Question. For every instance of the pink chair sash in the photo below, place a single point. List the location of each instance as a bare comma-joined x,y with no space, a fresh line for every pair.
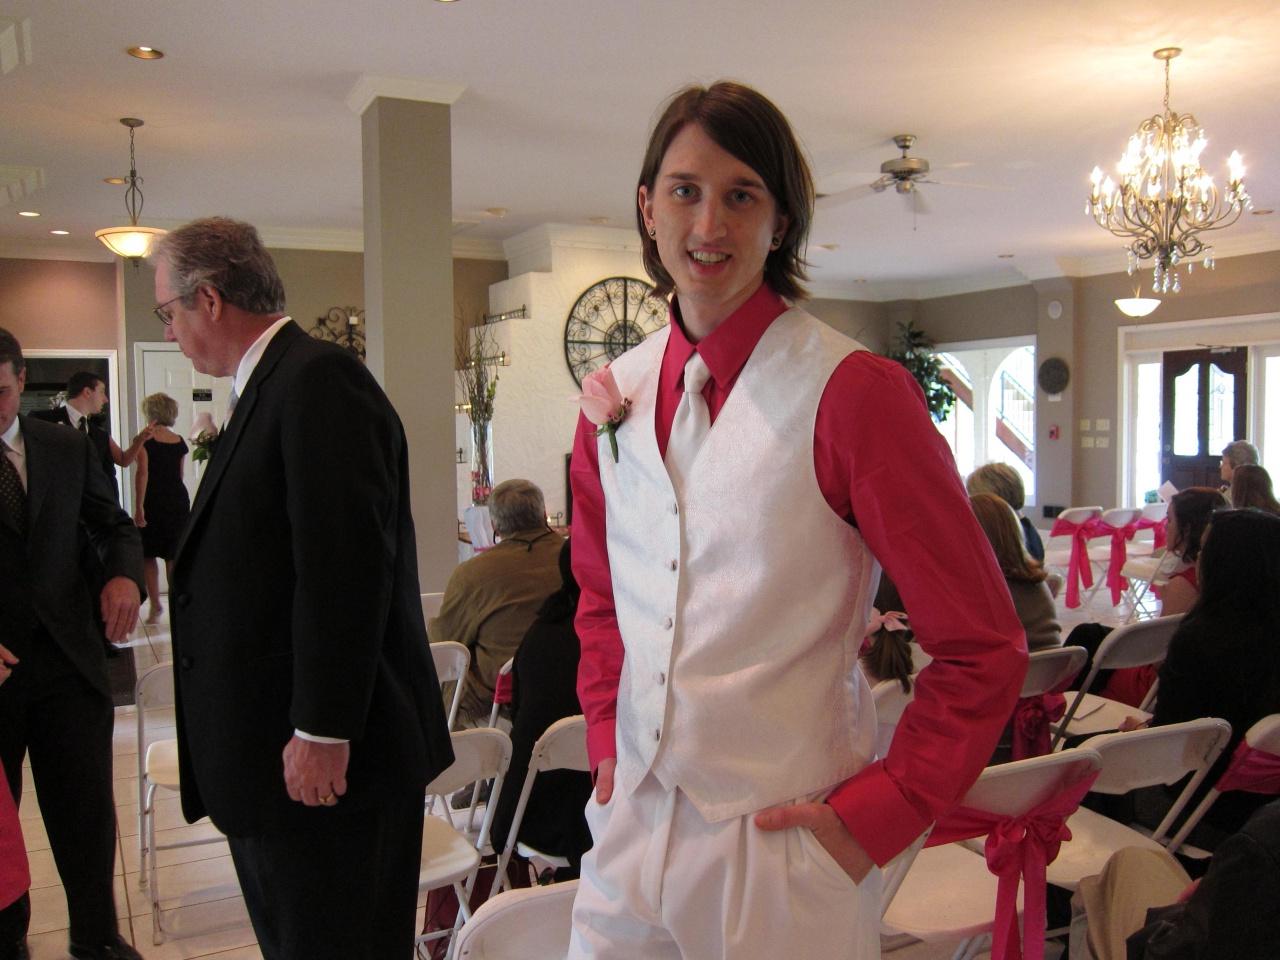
1078,570
1031,719
1159,527
1017,850
504,688
1253,770
1120,536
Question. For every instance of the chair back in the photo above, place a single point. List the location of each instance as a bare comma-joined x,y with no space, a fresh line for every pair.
504,689
1079,514
431,603
479,754
1121,516
1136,644
562,746
1155,511
1011,789
517,924
1264,736
1160,755
1049,669
452,660
152,691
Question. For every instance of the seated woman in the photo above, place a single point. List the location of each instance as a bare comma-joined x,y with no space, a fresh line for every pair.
1224,661
544,678
1251,487
886,651
1004,481
1024,575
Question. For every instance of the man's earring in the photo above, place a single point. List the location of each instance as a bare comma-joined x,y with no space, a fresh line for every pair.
777,242
653,232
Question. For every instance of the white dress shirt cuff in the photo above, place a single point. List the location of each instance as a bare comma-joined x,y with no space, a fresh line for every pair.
302,735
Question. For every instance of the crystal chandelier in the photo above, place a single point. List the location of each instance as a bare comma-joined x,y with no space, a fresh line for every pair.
132,242
1165,200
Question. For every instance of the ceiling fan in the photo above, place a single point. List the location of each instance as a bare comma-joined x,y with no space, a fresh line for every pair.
902,173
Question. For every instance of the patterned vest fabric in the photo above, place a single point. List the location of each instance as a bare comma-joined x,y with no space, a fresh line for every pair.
741,605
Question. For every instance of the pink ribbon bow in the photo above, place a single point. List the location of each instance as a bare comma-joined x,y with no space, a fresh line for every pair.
504,688
1120,536
889,620
1018,849
1251,769
1159,529
1078,570
1031,719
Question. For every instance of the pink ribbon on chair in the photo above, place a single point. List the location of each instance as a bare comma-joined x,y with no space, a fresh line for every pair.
1120,536
1159,529
1031,719
1018,849
504,688
1078,570
1251,769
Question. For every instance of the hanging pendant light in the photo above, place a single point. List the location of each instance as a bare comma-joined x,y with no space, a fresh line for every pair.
132,242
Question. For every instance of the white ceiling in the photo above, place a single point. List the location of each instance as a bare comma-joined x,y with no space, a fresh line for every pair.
247,115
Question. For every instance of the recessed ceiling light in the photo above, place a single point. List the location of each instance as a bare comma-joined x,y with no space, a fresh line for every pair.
28,213
114,181
1004,256
1262,213
146,53
60,233
598,221
493,211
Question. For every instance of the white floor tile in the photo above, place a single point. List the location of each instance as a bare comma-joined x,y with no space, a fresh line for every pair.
200,881
49,907
195,831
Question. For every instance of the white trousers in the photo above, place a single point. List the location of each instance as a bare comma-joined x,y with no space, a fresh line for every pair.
660,882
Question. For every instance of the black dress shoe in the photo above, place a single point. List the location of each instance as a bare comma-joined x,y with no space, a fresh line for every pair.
18,951
115,950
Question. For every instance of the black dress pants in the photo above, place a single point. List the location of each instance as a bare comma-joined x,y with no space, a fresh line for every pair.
341,891
50,711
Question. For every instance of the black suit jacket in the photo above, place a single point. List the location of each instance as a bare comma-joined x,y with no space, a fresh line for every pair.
41,580
100,438
295,598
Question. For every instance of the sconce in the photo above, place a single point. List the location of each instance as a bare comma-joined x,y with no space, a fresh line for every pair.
343,326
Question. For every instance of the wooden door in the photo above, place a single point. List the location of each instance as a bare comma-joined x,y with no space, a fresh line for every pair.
1203,404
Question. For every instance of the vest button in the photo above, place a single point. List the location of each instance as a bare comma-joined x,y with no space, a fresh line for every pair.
675,507
672,564
186,663
667,623
657,734
661,678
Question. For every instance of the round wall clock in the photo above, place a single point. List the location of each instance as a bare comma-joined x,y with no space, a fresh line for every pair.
610,318
1054,375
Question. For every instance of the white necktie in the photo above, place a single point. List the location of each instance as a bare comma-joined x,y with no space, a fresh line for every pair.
691,423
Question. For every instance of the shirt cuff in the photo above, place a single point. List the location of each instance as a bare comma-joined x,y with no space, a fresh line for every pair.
875,812
602,743
302,735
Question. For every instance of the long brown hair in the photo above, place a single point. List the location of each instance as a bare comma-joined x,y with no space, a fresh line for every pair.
1192,509
1000,524
1251,487
746,124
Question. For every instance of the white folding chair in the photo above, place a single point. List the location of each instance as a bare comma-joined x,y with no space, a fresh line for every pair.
1139,758
519,924
948,893
449,858
1100,547
1263,735
1048,669
1129,645
1143,543
452,660
890,701
562,746
1057,550
431,603
157,770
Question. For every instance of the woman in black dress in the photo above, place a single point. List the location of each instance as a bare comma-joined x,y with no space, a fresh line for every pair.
160,499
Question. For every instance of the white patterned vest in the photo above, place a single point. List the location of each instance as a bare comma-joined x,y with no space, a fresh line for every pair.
741,607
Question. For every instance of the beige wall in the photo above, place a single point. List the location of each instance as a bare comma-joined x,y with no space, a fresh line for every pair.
864,321
1007,312
59,304
471,282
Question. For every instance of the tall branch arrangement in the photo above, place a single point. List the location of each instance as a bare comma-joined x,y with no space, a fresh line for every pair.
473,351
914,350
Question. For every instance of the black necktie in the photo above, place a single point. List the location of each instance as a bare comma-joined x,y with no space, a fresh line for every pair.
13,496
84,425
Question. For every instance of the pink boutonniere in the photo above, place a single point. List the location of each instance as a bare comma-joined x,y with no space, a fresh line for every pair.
604,405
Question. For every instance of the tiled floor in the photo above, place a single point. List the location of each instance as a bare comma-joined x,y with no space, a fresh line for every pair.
204,914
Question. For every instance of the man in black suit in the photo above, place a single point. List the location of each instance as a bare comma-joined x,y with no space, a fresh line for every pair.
86,398
57,704
309,714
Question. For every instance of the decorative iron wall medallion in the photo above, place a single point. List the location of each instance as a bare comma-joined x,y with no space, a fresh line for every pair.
610,318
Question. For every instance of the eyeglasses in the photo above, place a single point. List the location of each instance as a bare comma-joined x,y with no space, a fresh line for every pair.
159,311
